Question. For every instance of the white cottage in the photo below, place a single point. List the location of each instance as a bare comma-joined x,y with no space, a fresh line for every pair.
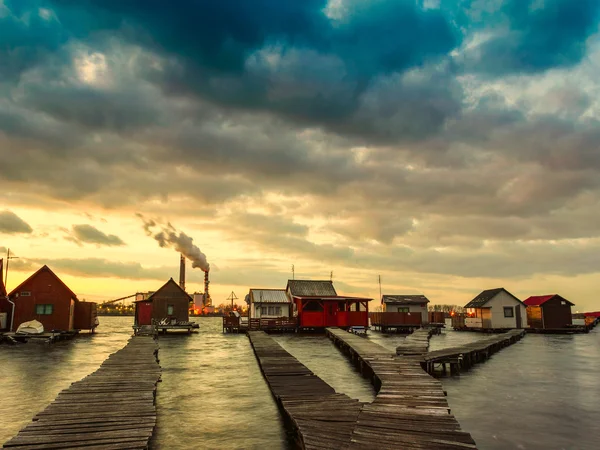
406,303
496,309
268,303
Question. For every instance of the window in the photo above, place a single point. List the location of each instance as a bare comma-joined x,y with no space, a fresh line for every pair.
509,311
403,309
170,309
562,302
44,310
25,293
264,311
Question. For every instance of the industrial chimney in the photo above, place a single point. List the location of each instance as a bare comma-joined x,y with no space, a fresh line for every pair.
182,272
207,301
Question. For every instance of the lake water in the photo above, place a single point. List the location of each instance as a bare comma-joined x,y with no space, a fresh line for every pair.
541,393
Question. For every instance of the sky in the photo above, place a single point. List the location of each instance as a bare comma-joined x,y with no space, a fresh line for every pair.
448,146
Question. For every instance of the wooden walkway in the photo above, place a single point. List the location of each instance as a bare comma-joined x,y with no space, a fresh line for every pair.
416,343
465,356
321,418
111,409
410,410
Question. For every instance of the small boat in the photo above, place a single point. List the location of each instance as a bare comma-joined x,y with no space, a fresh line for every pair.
31,327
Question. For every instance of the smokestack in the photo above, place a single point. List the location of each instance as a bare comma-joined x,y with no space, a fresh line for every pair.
182,272
207,301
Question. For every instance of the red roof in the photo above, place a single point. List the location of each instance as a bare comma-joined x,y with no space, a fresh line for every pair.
537,300
592,314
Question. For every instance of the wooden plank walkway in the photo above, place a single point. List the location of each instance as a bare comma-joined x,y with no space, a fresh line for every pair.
465,356
110,409
321,418
410,410
416,343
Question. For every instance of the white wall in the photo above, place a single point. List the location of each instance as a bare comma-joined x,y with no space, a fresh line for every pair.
256,314
497,305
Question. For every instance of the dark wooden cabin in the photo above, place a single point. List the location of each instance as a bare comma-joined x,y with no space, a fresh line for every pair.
317,305
46,298
170,302
548,312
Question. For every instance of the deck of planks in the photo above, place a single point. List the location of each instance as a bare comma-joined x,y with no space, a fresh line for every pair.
465,356
416,343
110,409
321,418
410,410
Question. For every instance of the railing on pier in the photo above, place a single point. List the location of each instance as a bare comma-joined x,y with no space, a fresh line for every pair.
278,323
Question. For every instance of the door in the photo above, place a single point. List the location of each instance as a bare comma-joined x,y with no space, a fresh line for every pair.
144,313
71,315
518,316
331,310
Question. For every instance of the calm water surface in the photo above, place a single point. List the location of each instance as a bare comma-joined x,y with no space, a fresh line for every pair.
541,393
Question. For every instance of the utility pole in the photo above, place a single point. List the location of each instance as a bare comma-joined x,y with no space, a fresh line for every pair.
232,297
331,276
381,299
8,258
293,273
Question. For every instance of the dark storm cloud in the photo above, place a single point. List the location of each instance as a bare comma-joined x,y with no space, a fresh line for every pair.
530,36
10,223
91,235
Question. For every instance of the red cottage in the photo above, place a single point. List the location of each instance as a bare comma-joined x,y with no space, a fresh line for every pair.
169,303
45,298
548,311
318,306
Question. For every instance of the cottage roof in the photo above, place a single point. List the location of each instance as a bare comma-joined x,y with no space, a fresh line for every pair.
169,283
310,288
269,296
539,300
44,268
404,299
486,296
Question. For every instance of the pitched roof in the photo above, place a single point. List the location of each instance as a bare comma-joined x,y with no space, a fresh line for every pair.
269,296
44,268
310,288
486,296
538,300
164,286
403,299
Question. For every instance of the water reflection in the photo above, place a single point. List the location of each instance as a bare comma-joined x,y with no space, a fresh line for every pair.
540,393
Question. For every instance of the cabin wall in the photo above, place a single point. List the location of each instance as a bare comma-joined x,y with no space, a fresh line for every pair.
180,308
5,308
45,290
534,317
85,315
497,305
557,315
257,313
412,308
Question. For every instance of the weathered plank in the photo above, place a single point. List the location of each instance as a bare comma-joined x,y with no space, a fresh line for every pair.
110,409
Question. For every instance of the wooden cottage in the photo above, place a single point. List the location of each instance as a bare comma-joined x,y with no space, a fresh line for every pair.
45,298
495,309
317,305
413,304
548,312
268,304
169,305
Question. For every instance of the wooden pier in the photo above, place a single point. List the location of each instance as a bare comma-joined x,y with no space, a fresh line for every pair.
321,418
417,343
49,337
465,356
110,409
410,410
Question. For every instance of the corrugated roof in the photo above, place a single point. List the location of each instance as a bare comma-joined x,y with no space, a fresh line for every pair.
403,299
310,288
486,296
269,296
538,300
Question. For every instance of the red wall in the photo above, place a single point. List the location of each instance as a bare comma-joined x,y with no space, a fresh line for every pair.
45,289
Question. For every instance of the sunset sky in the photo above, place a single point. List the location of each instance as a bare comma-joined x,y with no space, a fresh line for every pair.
448,146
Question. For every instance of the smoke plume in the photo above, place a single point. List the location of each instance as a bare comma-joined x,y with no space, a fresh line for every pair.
168,236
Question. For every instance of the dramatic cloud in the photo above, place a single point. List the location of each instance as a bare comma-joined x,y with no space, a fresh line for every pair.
426,138
88,234
10,223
